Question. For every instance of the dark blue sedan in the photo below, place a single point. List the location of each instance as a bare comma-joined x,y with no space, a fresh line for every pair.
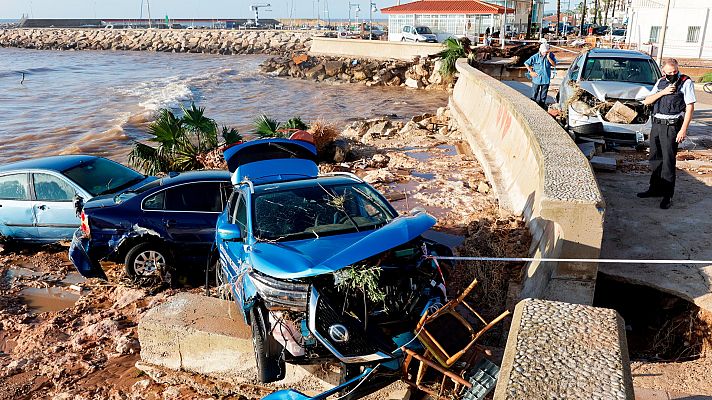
153,228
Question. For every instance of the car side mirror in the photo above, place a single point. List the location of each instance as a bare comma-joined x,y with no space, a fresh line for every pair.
230,233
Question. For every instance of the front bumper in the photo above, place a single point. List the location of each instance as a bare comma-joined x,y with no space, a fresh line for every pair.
79,256
596,125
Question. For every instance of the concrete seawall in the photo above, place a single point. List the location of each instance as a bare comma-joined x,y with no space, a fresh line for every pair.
538,172
165,40
373,49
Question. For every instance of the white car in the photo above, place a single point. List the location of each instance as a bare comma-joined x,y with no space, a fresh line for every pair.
596,81
618,35
418,34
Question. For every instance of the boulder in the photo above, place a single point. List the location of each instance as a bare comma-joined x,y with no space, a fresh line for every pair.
414,83
333,68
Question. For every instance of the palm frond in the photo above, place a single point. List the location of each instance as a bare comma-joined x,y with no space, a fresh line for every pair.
231,135
267,127
295,123
146,158
166,129
454,49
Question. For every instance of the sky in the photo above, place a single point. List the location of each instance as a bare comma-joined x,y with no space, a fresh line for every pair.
12,9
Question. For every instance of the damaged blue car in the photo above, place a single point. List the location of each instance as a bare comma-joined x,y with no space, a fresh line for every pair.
321,265
153,228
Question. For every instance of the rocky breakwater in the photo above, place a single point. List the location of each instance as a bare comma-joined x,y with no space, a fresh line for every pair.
165,40
421,73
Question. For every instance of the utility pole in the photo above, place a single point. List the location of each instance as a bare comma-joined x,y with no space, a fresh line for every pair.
558,16
529,20
662,39
148,4
502,30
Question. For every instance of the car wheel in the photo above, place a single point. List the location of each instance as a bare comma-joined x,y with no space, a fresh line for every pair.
402,38
268,352
147,260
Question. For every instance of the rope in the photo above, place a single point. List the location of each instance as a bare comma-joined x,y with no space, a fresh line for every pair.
580,260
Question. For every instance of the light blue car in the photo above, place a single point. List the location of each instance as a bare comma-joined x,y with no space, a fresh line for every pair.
39,197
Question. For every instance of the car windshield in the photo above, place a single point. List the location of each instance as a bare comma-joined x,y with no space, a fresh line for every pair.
319,210
101,176
620,69
619,32
423,30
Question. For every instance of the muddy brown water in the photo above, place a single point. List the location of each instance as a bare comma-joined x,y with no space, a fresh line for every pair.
54,297
100,102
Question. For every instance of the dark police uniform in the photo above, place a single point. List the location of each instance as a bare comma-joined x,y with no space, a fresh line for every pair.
668,115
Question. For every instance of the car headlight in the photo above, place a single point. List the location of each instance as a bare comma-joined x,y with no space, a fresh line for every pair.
281,294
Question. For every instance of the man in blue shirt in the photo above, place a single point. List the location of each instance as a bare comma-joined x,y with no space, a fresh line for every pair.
539,67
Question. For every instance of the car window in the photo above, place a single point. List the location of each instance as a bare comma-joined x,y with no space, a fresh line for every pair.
155,202
238,213
101,176
52,188
406,29
14,187
201,196
620,70
225,192
423,29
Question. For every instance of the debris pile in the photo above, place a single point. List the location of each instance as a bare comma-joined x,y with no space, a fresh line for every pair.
421,73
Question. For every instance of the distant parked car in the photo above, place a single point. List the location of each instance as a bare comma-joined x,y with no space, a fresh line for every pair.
599,78
418,34
618,35
37,197
154,227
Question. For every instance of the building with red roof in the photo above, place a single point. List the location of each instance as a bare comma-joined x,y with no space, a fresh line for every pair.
448,18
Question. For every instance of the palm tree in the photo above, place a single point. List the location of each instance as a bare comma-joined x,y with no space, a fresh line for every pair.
181,142
268,127
454,49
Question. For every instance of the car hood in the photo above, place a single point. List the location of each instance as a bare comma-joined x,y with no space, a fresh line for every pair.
616,90
107,200
310,257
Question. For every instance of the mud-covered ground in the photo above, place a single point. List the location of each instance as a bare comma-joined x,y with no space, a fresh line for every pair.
64,337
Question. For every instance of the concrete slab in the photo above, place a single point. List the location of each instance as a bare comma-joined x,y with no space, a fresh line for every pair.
588,149
603,163
207,335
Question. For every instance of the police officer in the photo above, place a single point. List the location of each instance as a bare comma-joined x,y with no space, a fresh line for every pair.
673,100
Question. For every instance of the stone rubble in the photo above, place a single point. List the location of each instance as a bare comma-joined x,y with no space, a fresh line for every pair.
421,73
164,40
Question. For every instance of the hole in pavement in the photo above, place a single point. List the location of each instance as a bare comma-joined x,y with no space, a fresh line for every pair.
659,326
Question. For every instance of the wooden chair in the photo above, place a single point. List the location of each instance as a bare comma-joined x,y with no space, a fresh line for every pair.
444,332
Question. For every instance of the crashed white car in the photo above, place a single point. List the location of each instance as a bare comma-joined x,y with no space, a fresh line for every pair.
601,94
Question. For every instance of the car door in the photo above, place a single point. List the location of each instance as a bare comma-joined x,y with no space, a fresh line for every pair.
567,85
406,32
233,252
189,216
55,216
17,215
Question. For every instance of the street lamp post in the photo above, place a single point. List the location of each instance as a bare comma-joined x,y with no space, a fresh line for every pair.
371,10
352,5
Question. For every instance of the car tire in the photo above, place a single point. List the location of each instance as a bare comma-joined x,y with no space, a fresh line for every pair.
268,352
595,128
147,260
402,38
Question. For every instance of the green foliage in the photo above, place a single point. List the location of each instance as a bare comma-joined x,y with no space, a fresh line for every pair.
706,77
454,49
266,127
180,141
363,279
231,135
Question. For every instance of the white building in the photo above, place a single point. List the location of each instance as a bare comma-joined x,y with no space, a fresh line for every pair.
458,17
689,28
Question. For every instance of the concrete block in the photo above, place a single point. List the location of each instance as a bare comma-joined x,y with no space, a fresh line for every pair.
196,333
588,149
603,163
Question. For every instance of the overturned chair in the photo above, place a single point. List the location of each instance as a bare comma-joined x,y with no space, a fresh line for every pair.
447,336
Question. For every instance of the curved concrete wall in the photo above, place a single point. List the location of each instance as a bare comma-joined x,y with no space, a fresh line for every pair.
538,172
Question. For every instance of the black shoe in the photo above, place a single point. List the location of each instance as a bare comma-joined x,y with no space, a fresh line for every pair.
649,193
666,203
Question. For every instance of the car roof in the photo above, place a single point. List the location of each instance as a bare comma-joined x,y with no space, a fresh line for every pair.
322,179
190,176
54,163
605,53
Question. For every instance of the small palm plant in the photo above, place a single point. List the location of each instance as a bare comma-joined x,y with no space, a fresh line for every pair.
182,143
266,127
454,49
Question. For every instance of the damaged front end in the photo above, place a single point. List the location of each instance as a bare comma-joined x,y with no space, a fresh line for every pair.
614,113
358,314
